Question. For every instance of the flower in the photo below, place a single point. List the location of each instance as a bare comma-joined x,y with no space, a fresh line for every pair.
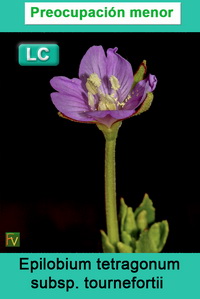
105,91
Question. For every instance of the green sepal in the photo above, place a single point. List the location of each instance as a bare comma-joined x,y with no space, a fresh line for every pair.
106,245
139,75
123,248
146,205
154,239
146,104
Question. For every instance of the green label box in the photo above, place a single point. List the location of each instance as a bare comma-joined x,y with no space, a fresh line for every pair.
38,54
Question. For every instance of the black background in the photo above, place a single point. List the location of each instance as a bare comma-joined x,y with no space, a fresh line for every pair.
52,188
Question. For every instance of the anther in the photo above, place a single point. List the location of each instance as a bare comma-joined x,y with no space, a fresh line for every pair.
93,83
106,103
91,100
114,83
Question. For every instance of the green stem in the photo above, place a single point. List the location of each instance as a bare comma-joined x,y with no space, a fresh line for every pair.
110,192
110,181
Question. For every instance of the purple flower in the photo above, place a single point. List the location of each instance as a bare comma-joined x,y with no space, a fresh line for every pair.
104,92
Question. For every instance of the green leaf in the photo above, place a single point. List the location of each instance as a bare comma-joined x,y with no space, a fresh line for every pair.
154,239
123,248
127,219
158,233
145,244
142,222
128,240
146,205
129,224
139,75
107,246
122,213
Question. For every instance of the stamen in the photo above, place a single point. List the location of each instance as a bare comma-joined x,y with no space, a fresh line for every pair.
93,83
114,83
106,103
121,104
91,102
127,98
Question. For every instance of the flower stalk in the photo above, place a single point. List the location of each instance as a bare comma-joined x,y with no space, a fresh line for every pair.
110,135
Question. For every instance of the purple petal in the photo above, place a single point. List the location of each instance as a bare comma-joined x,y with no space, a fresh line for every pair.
94,61
69,86
71,106
152,82
139,92
120,68
108,117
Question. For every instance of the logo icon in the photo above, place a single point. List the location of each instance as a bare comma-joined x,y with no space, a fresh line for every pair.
12,239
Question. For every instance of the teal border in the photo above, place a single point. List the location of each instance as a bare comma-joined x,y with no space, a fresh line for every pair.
12,20
182,283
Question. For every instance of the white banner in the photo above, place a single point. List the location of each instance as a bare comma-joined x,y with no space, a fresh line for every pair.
102,13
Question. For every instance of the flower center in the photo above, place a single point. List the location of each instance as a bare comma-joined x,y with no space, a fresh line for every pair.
98,100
